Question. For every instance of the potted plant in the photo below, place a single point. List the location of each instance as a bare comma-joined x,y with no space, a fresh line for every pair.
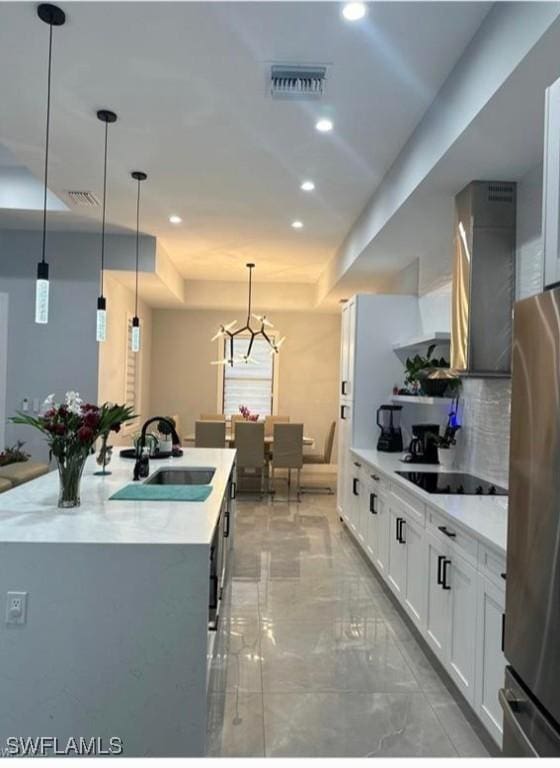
71,429
13,455
429,375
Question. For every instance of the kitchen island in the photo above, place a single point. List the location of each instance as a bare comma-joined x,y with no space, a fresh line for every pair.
116,634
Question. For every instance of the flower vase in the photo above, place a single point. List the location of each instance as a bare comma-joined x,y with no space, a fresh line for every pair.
70,470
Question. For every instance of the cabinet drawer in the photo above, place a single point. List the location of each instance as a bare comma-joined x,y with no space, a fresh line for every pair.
409,503
492,564
378,483
458,540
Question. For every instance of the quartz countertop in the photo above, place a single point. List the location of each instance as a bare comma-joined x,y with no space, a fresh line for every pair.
29,512
484,516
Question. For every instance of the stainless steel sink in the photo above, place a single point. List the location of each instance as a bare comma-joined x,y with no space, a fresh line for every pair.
182,476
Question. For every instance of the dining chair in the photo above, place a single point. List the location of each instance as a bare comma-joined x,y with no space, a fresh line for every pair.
212,417
249,444
270,421
210,434
321,458
287,451
237,417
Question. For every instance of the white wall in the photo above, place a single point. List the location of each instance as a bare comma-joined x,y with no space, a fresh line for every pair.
3,364
184,382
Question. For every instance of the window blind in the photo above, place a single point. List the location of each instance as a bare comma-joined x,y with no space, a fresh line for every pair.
249,384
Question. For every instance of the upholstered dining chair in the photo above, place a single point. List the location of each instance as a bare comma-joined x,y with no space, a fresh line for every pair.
249,444
270,421
287,451
321,458
210,434
235,419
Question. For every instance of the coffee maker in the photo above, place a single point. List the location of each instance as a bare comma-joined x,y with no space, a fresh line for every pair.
423,448
389,422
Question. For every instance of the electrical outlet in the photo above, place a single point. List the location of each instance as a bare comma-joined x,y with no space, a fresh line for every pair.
16,607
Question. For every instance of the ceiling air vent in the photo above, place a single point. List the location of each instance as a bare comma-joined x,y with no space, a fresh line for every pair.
297,82
501,193
83,199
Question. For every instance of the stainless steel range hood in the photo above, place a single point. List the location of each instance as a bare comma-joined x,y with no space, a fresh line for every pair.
483,279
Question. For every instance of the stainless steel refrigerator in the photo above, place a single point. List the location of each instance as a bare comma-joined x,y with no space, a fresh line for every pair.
530,698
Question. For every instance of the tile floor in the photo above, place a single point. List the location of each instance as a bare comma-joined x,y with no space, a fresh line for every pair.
312,658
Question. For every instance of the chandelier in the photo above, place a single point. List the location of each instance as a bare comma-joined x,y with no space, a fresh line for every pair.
229,332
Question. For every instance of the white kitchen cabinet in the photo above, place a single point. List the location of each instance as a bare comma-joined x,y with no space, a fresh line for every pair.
396,569
377,536
462,580
357,501
415,594
344,459
347,347
490,660
437,607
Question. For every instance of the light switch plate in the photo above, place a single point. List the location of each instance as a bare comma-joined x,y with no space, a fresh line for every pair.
16,607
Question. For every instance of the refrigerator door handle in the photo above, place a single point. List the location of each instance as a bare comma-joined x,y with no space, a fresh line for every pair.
510,704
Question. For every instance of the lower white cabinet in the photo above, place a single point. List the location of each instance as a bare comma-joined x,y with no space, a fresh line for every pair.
490,660
344,460
452,595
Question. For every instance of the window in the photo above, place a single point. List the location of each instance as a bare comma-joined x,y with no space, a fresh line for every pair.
249,384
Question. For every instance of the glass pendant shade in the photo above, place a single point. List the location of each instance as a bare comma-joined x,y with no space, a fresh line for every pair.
101,321
135,338
42,294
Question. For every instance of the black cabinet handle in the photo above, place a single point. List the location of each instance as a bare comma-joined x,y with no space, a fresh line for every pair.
355,486
503,631
440,560
503,575
444,583
375,477
444,529
400,523
398,527
343,412
343,384
372,498
233,491
403,523
357,464
226,525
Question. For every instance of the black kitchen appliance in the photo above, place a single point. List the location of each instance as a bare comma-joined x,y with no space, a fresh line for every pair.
453,483
389,422
423,448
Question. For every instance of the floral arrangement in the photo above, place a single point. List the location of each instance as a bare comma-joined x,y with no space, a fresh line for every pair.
71,429
247,415
13,455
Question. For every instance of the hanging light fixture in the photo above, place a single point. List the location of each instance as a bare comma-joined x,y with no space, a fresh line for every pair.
54,17
135,341
106,116
229,332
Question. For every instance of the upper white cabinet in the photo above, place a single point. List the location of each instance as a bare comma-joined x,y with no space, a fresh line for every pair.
347,347
551,185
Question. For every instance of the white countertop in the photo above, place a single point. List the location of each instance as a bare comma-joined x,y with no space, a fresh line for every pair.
29,512
485,516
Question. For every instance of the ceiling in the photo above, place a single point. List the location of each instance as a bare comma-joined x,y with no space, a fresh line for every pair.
188,81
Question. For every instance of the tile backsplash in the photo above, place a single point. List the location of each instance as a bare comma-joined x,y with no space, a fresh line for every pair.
483,441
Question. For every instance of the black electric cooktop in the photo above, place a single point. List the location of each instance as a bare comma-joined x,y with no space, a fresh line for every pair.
454,483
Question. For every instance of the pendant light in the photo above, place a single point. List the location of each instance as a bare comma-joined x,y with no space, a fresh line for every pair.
228,331
106,116
135,341
54,17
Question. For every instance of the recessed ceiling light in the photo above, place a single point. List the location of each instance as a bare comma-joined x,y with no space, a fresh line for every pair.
354,11
323,125
297,224
174,219
307,186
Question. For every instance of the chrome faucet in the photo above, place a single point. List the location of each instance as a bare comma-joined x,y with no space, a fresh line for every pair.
142,464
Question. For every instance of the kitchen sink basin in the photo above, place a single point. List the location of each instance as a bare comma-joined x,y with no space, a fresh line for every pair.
182,476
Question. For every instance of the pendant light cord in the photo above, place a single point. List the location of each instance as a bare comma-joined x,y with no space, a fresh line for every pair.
137,247
104,208
47,146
